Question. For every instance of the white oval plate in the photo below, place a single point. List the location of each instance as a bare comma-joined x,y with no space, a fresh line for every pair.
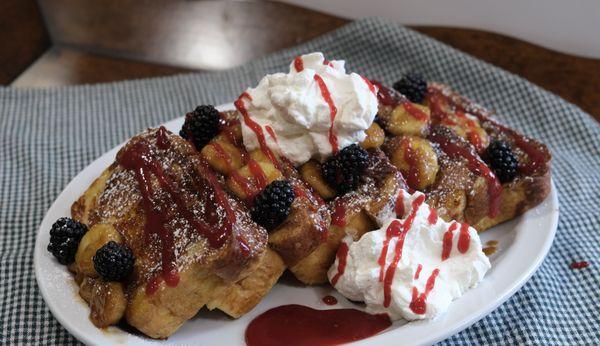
522,245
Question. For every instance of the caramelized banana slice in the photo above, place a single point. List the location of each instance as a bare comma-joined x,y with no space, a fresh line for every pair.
253,177
94,239
469,128
415,158
409,119
375,137
106,299
311,174
222,156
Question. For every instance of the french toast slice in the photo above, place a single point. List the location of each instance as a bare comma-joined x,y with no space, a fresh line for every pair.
309,237
440,147
248,173
192,240
353,213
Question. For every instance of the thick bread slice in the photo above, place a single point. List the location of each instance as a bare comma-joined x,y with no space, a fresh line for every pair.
459,191
204,270
237,299
362,208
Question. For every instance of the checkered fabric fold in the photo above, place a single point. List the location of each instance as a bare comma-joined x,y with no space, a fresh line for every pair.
49,135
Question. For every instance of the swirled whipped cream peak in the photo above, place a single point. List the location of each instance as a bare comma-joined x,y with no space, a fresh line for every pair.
312,111
412,267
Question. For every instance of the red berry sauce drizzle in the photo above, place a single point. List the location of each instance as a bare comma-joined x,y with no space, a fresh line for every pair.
256,128
339,214
412,175
342,257
241,181
326,94
297,325
438,104
418,303
433,216
283,165
475,165
329,300
579,265
418,271
415,112
395,229
386,96
536,156
472,135
332,112
447,242
300,325
399,204
139,159
338,218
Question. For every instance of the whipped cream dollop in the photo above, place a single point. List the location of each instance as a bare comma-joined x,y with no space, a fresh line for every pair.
412,267
311,112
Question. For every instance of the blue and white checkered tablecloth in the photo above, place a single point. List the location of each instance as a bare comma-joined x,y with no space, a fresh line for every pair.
49,135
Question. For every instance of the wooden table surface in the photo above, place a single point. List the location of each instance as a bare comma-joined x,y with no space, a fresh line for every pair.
66,42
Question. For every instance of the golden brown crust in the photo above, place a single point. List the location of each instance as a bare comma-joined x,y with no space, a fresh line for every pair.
239,298
300,233
115,199
459,192
361,208
312,270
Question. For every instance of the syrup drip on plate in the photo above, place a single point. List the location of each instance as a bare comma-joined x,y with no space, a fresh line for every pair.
329,300
490,247
579,265
297,325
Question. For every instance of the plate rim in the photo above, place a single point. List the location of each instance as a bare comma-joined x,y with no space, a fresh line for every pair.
383,338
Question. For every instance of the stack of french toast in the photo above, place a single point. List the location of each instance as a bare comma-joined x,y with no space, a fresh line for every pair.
211,224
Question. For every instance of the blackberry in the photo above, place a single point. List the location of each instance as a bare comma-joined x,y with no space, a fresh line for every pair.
344,170
413,86
201,125
65,235
113,261
273,204
502,160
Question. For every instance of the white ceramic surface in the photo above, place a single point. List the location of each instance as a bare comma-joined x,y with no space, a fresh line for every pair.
523,244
